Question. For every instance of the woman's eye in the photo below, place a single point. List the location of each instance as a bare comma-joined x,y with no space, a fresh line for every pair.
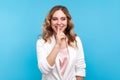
63,18
54,19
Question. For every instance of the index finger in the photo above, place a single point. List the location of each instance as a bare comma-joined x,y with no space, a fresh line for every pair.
58,30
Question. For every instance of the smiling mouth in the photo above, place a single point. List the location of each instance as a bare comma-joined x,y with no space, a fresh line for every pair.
59,27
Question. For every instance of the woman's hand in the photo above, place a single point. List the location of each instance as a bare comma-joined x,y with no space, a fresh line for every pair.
60,38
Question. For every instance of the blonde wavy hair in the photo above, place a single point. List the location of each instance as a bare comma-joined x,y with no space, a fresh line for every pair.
48,31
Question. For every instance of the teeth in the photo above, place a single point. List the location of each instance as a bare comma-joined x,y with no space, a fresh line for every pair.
59,26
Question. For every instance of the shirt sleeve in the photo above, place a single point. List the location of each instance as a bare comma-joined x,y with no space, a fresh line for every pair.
42,52
80,62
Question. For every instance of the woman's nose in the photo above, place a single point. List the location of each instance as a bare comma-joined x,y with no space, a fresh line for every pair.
58,22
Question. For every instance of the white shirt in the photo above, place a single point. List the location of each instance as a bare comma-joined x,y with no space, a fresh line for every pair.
76,66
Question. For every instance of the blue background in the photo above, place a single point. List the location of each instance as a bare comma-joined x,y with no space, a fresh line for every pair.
97,22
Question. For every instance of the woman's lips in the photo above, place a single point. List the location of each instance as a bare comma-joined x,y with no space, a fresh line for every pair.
59,27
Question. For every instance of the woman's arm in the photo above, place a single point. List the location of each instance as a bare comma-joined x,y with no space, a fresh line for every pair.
45,62
80,61
52,56
79,78
60,39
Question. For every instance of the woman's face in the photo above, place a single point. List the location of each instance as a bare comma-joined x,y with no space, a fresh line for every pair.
59,21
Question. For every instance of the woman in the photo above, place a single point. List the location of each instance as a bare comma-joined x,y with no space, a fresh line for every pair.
59,51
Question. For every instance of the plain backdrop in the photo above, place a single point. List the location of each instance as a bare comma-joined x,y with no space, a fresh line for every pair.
97,22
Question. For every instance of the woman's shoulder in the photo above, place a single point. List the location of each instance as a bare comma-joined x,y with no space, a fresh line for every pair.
40,41
79,42
78,38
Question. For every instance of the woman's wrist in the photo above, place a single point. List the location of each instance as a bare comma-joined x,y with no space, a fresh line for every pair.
57,45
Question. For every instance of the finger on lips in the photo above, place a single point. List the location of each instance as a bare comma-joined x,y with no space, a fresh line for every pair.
60,33
57,30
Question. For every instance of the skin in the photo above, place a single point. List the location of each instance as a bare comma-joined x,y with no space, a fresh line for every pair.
59,24
59,21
